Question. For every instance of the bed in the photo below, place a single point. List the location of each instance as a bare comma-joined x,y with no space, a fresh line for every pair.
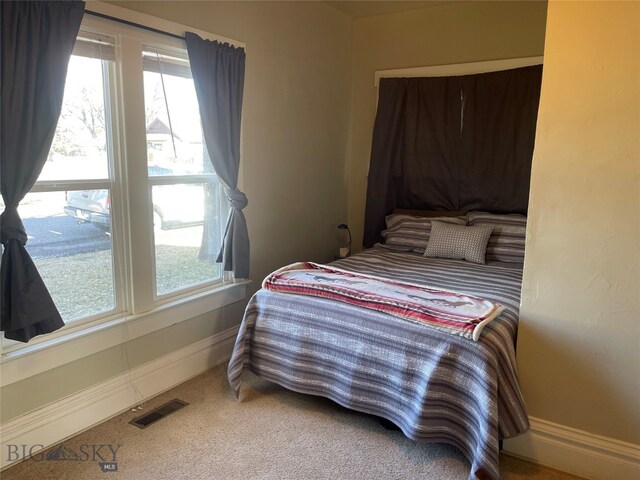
436,387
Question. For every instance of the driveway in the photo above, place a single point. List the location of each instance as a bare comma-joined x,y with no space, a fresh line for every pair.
60,235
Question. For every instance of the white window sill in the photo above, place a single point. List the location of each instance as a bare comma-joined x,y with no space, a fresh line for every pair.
34,359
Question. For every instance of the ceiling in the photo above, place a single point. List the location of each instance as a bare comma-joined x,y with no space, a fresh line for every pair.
360,9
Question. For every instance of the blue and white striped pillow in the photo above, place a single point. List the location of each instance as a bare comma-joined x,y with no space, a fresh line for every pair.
507,240
412,233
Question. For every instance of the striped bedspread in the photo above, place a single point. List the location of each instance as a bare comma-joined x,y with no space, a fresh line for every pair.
435,386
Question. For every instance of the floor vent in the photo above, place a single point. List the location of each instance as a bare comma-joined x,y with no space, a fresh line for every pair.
143,421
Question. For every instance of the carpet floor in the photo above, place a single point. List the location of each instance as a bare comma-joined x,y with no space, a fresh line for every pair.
271,433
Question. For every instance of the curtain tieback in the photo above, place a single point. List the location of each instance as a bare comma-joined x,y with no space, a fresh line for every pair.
236,198
11,226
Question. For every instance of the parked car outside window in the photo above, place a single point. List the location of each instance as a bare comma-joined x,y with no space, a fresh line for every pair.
174,206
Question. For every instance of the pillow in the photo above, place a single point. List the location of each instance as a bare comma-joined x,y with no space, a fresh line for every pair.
458,242
412,233
507,240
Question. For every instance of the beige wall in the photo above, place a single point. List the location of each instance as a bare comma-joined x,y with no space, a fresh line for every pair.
295,128
457,33
579,344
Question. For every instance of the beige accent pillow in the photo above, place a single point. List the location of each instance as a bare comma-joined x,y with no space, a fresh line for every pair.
458,242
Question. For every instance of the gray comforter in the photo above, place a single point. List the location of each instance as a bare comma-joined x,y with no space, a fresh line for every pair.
435,386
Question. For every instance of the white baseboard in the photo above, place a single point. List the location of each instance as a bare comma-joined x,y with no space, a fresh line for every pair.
576,451
71,415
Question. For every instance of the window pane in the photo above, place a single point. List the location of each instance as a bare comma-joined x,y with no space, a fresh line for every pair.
187,217
79,149
185,256
70,243
174,132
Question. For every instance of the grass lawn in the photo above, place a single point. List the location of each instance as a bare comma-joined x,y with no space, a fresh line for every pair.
82,285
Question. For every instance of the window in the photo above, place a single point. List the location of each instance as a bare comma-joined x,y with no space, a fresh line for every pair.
185,192
127,215
67,213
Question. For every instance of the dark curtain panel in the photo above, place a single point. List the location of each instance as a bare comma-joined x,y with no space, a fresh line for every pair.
37,41
218,75
452,143
386,151
500,115
428,170
414,155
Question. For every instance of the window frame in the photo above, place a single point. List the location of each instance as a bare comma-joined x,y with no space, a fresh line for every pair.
109,184
138,311
171,55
